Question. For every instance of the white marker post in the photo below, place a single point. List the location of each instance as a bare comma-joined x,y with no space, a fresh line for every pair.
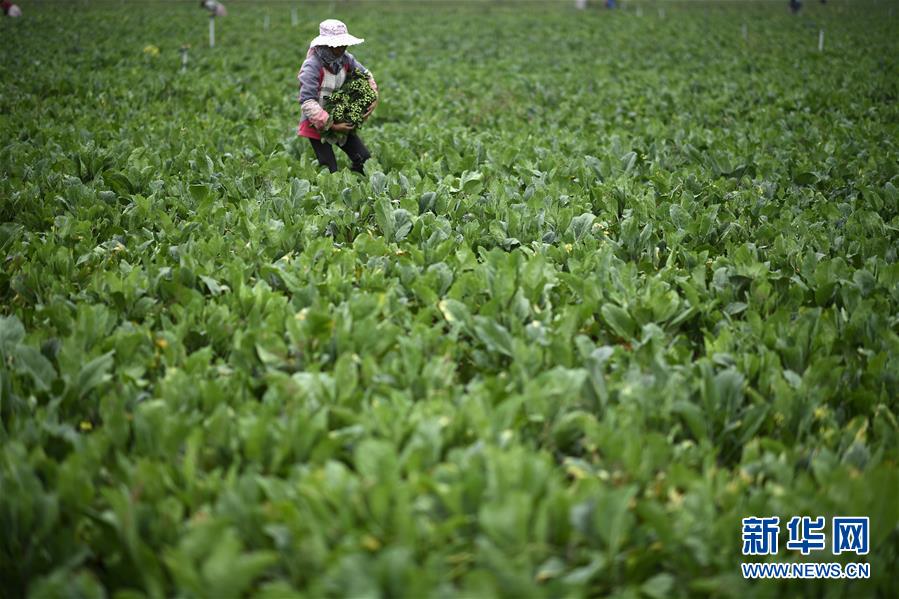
821,40
639,12
294,19
212,31
183,59
661,13
580,4
265,22
745,32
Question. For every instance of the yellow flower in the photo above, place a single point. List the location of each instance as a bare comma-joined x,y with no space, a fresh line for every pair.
371,543
576,471
151,50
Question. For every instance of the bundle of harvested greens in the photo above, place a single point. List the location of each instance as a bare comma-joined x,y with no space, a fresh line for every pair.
349,103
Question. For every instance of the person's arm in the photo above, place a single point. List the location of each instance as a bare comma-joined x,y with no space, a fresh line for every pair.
355,64
310,79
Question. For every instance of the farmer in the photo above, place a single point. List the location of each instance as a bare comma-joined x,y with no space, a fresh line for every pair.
325,69
10,9
216,9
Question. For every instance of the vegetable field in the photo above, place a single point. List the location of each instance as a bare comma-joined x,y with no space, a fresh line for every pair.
612,281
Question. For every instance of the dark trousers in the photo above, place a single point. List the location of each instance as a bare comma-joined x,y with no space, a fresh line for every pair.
353,147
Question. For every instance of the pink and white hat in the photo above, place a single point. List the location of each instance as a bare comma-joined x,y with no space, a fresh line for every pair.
334,33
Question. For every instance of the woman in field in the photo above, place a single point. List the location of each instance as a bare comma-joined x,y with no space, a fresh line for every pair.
10,9
216,9
325,69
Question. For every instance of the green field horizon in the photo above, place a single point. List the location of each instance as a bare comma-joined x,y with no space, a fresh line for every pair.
613,281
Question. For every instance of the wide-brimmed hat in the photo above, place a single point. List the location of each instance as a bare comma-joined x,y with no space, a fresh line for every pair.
334,33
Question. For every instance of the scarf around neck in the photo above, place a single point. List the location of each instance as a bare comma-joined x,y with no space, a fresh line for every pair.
327,56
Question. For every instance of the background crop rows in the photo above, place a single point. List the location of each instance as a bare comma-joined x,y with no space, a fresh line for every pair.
610,284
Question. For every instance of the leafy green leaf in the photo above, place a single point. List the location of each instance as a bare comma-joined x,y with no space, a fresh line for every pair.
620,321
94,373
580,225
493,335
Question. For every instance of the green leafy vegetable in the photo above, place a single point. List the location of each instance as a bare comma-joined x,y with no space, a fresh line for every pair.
351,101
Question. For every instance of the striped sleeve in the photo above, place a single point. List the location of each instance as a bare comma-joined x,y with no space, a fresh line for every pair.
316,115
